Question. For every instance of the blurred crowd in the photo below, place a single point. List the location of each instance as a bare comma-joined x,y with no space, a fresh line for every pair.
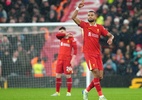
123,18
18,52
21,11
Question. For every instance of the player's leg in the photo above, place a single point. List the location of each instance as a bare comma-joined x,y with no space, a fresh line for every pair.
100,68
97,85
68,71
69,84
58,82
91,85
92,62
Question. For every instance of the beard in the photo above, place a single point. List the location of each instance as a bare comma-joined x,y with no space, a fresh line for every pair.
92,20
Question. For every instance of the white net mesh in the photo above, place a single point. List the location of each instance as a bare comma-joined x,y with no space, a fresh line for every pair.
21,45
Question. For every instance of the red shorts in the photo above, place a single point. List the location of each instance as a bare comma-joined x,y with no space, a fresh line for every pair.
94,61
64,66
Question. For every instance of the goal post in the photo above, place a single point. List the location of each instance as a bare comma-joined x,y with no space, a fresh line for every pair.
27,41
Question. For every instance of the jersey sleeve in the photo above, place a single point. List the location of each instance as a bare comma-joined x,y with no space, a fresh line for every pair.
82,24
104,32
60,36
74,45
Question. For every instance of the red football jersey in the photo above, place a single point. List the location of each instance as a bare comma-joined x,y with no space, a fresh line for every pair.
91,37
67,48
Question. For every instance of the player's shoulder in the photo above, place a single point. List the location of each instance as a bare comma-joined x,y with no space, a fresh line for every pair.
72,39
100,26
84,22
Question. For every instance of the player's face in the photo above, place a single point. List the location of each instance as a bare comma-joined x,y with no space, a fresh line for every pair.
91,17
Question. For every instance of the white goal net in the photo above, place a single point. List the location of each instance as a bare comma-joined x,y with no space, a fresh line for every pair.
21,45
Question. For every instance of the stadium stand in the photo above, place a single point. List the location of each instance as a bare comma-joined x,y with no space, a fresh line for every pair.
123,18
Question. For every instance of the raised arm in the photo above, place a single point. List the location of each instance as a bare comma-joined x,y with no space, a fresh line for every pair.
74,16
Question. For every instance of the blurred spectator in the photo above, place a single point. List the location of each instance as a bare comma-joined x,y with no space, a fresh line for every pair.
83,67
41,19
131,48
5,63
53,16
24,61
121,46
122,67
108,70
118,56
5,45
0,74
124,35
112,64
38,69
45,8
137,54
54,62
128,62
32,52
80,69
126,23
3,15
139,73
0,69
137,37
106,54
14,65
117,23
107,23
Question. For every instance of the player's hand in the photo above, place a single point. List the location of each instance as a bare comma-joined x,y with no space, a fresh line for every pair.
69,35
73,60
81,4
109,41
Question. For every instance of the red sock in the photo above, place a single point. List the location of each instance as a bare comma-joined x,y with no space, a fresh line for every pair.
90,86
58,84
69,84
98,86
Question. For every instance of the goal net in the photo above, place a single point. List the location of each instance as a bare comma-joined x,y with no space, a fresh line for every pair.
23,45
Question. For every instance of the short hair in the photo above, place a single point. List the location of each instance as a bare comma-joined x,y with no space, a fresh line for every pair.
62,28
92,11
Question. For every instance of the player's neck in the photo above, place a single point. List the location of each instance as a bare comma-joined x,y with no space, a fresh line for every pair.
92,24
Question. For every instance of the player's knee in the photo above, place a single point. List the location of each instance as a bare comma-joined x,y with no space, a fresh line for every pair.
58,75
101,74
96,72
68,76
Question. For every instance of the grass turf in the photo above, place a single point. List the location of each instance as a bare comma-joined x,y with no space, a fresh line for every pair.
44,94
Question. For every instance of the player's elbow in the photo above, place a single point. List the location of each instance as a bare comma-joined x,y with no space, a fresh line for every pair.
73,17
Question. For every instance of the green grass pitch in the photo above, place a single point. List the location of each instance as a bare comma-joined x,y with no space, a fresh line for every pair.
44,94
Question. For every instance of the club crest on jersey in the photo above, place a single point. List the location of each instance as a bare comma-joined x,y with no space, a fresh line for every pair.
98,30
68,41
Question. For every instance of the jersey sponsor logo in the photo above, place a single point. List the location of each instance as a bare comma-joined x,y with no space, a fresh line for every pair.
136,83
93,35
65,44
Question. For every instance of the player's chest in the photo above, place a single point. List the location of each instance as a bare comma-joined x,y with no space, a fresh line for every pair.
65,43
93,32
